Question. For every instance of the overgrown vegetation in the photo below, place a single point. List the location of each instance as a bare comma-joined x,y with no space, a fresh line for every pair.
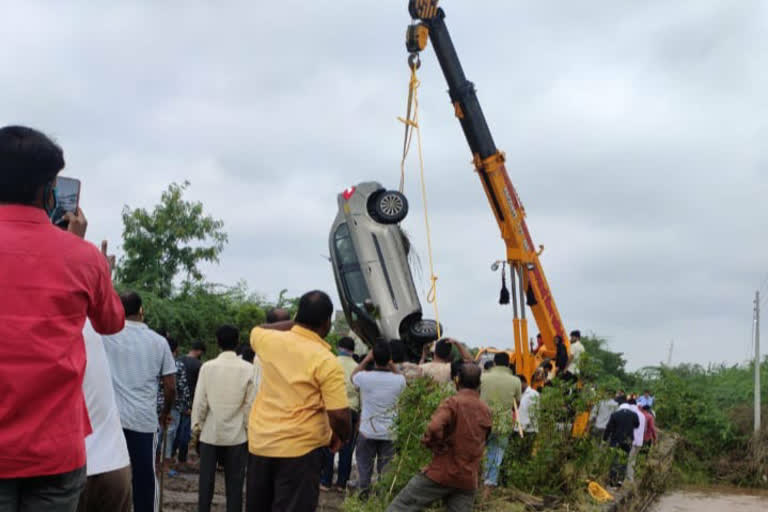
711,408
415,407
707,410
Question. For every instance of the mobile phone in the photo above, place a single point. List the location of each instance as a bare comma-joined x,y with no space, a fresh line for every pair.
67,199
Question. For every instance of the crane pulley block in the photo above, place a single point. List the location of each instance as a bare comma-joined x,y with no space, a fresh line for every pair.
416,37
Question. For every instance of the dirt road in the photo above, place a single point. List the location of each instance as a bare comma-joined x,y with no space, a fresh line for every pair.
181,495
712,500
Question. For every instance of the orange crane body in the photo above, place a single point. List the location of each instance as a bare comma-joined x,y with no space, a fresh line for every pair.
521,253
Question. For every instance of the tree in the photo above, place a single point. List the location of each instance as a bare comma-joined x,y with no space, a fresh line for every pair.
174,238
604,366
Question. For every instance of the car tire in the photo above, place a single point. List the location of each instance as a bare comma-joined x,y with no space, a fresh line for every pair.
424,331
388,206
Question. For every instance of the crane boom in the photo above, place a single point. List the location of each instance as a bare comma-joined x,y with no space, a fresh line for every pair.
489,165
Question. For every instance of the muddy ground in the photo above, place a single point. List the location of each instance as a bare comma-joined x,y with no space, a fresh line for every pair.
180,493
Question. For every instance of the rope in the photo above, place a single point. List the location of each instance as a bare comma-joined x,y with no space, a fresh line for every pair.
409,125
412,124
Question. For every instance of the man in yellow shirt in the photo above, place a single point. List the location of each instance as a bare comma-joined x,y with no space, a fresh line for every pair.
300,409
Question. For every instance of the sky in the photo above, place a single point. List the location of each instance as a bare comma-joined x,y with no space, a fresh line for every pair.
634,133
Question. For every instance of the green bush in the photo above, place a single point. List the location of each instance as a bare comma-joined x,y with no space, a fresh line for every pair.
553,462
414,409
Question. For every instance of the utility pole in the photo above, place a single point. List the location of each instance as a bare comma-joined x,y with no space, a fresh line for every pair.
669,354
757,362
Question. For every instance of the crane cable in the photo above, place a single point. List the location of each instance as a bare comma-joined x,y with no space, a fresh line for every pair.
411,122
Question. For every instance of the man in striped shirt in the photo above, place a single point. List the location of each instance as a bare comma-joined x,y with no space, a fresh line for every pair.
139,357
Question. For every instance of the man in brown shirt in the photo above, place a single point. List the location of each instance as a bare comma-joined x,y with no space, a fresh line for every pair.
456,434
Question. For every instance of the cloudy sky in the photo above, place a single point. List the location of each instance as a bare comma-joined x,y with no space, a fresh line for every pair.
634,132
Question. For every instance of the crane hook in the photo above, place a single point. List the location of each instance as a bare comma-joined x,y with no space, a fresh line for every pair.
414,61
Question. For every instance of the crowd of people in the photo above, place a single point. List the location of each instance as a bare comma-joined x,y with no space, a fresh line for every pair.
626,423
95,404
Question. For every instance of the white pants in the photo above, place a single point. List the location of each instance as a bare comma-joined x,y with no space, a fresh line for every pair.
631,462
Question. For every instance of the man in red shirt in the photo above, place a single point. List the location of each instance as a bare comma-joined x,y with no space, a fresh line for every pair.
650,436
50,281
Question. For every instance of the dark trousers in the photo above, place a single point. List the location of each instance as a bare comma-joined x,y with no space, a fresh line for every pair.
141,449
422,492
345,459
234,459
619,465
367,451
107,491
50,493
284,484
183,436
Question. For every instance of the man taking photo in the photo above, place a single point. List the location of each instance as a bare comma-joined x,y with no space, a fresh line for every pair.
51,281
379,390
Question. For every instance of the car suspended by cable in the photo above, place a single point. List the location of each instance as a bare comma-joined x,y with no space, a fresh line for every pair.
369,254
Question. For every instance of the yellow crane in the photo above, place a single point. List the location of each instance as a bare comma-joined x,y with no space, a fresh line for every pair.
528,282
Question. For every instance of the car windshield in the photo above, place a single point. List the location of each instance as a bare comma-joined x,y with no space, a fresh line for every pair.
349,267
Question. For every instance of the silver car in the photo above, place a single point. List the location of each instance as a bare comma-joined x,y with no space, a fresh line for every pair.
369,253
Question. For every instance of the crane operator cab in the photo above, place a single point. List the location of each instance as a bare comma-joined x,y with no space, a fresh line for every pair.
369,254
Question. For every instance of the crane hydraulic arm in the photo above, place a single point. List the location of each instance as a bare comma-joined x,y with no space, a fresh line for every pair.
522,256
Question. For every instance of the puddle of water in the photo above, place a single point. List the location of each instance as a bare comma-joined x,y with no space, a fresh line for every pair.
712,501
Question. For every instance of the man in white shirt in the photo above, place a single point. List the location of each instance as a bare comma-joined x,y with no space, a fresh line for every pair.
138,358
225,391
379,392
526,413
601,414
109,467
637,437
577,349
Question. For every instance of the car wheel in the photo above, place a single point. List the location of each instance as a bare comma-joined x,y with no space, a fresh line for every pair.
424,331
388,206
